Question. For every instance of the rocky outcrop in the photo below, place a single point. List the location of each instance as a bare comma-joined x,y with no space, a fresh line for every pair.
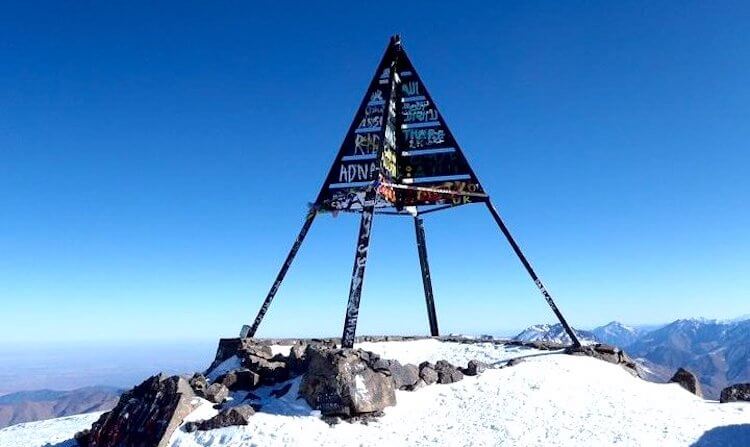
607,353
736,393
145,416
687,380
255,365
239,415
199,384
240,379
475,367
427,373
447,373
404,376
341,382
216,393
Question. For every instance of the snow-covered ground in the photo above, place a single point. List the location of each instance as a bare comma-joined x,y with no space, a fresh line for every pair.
551,399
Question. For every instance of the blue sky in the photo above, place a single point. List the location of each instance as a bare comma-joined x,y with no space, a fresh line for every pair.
156,162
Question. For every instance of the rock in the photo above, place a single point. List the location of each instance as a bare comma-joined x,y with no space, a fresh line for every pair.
199,384
240,379
216,393
82,437
281,392
403,375
735,393
269,371
514,362
447,373
339,382
427,373
420,384
474,367
687,380
544,345
239,415
607,353
296,360
147,415
242,348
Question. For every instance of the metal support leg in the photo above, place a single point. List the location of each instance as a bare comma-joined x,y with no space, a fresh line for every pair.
426,280
249,331
531,272
358,276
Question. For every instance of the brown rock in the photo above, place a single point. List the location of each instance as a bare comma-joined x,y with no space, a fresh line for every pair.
239,415
339,382
736,393
146,416
687,380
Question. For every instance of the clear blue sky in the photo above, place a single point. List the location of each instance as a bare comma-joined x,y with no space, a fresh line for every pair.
156,162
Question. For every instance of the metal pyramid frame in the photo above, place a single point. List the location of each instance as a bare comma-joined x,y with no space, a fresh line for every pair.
399,157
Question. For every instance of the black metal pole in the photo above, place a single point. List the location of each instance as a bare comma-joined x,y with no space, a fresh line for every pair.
358,272
533,275
249,331
426,279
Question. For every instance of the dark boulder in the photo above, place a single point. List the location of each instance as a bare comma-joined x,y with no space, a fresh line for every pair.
687,380
239,415
240,379
145,416
427,373
447,373
474,367
736,393
216,393
340,382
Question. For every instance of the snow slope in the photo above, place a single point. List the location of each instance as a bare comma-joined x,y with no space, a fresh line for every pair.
551,399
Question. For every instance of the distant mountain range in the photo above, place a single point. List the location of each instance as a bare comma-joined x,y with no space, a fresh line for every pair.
28,406
717,352
554,333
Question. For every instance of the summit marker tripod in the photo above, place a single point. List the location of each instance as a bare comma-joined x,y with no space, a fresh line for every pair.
398,158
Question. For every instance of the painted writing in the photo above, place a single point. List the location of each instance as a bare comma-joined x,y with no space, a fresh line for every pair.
418,112
373,117
357,172
366,143
417,138
410,88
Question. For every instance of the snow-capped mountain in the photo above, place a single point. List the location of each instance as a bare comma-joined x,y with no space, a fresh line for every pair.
535,403
554,333
717,352
617,334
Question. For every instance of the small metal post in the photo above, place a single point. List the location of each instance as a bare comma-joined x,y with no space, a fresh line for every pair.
531,272
426,279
